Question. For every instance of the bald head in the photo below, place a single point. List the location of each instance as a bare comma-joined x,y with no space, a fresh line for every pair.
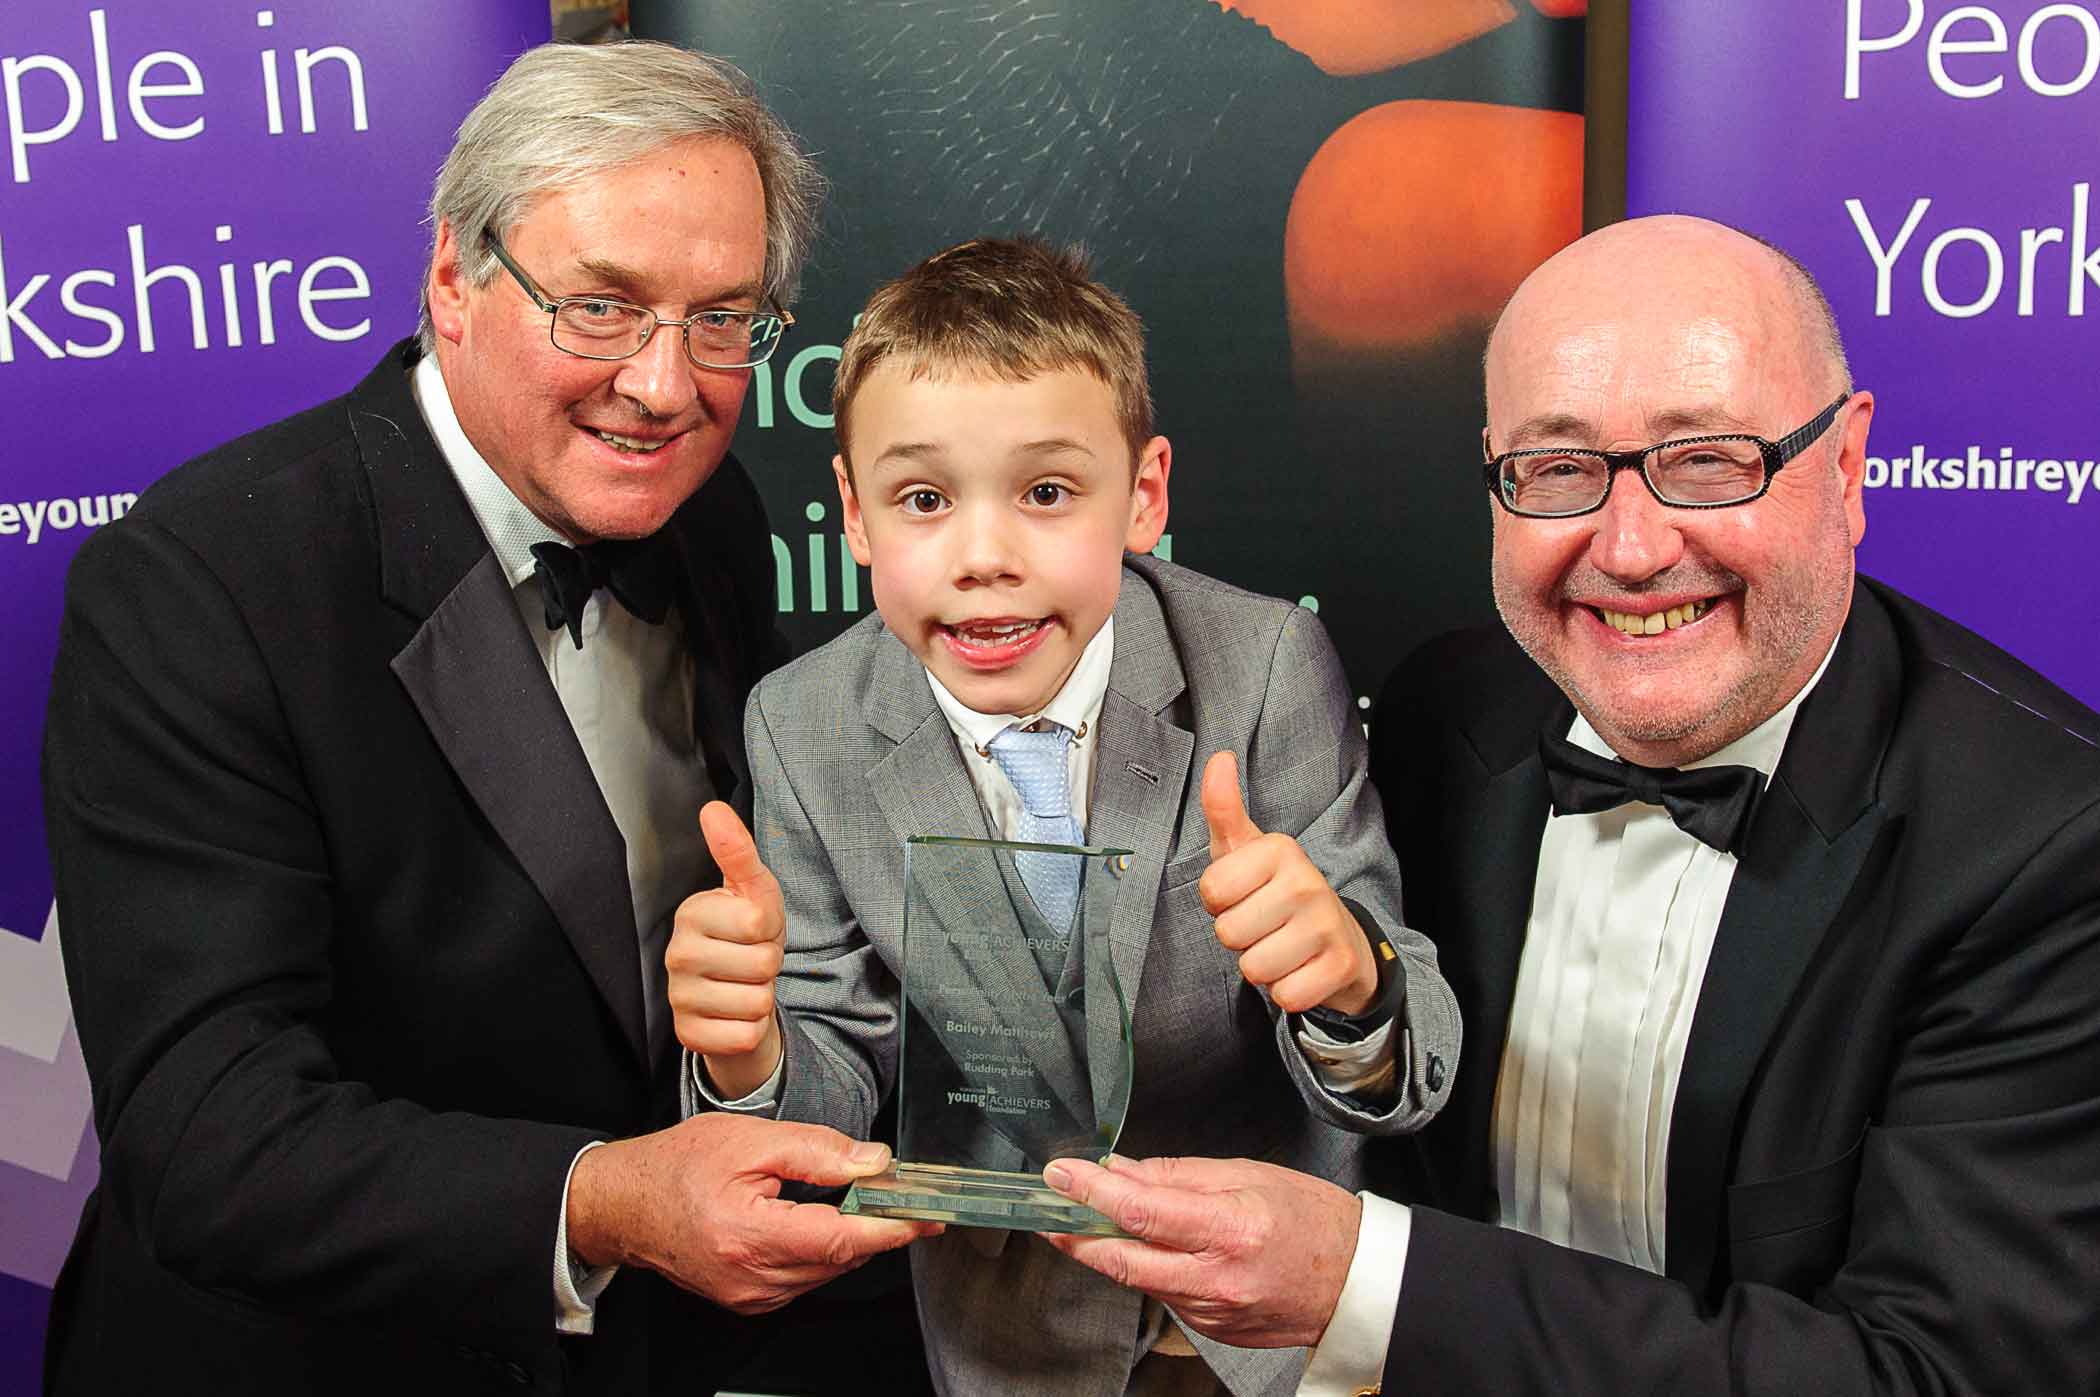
1656,275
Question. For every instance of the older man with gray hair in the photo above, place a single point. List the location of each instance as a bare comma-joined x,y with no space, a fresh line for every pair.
375,748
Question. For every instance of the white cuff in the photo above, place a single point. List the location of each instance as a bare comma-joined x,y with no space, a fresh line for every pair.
576,1286
1360,1069
1350,1357
762,1097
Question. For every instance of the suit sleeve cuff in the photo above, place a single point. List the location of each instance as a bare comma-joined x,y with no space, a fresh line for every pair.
1350,1357
576,1286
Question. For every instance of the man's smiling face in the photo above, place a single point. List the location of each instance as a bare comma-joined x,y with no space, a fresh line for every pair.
1674,631
608,449
993,517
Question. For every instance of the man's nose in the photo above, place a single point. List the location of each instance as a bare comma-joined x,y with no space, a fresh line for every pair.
658,376
1636,534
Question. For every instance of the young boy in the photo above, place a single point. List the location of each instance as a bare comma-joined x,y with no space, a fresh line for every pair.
1000,479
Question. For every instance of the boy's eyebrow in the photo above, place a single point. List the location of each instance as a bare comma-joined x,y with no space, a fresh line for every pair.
1051,446
907,453
912,452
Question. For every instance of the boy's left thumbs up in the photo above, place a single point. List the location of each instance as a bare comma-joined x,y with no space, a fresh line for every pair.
1223,810
1272,908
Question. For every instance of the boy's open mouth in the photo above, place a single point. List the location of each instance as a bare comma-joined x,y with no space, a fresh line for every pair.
995,640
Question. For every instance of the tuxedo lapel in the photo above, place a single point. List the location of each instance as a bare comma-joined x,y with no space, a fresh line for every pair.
1491,832
1815,829
472,673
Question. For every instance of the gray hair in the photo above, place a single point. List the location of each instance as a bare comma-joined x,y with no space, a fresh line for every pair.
563,114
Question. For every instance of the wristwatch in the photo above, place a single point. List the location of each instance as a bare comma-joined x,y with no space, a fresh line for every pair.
1386,1000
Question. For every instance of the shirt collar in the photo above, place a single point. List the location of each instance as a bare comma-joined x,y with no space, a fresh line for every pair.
1077,703
510,527
1760,747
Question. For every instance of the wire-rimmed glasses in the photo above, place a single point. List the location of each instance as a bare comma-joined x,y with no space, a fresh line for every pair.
601,327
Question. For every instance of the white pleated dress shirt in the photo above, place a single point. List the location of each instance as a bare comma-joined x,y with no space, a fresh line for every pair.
1623,916
628,693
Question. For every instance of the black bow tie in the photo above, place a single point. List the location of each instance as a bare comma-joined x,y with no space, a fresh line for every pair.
1713,804
642,575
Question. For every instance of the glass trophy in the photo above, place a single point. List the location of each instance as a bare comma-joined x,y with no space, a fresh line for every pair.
1015,1046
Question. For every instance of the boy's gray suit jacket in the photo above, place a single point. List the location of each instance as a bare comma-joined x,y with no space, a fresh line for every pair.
850,756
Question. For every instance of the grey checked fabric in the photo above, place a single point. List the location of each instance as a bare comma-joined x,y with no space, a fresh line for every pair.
1035,763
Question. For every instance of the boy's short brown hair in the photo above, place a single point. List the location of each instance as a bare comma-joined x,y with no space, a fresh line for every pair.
1012,307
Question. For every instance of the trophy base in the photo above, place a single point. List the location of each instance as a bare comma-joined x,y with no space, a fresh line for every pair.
973,1198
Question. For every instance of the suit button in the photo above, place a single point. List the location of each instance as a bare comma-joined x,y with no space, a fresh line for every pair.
1434,1075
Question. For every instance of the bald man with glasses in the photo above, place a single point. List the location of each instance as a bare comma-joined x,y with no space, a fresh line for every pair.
1770,896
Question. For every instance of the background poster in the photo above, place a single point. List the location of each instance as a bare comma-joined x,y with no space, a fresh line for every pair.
1315,206
210,216
1937,166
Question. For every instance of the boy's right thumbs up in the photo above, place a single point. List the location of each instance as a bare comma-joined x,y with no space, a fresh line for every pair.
736,855
725,952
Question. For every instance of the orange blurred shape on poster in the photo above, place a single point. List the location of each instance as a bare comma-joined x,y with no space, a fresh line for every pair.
1349,37
1417,218
1562,9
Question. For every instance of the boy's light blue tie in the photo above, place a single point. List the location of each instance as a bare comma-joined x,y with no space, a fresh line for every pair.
1035,763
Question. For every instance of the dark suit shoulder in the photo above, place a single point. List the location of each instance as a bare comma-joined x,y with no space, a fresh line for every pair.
1979,740
1476,680
727,512
1962,669
223,480
272,503
267,513
225,471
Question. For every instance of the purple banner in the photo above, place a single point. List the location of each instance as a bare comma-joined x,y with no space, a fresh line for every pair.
210,216
1937,166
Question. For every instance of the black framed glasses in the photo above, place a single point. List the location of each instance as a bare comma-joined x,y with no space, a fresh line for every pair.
1713,472
599,327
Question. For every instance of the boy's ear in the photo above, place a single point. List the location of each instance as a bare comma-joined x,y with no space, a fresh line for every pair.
855,527
1148,496
446,287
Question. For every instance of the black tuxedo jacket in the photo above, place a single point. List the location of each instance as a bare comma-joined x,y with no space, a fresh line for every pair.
348,929
1884,1170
